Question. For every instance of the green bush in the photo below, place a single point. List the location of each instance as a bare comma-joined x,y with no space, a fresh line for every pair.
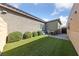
14,36
40,33
35,34
27,35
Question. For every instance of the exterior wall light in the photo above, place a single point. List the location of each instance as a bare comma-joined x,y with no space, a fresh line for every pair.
3,12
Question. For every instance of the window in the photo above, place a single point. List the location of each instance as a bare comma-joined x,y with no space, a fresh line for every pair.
41,26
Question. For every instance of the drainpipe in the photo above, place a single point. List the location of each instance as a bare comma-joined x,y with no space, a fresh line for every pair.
45,29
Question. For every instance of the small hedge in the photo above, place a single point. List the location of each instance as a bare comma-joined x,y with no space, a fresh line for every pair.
40,33
27,35
35,34
14,36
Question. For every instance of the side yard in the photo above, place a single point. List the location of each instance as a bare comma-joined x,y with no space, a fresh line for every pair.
40,46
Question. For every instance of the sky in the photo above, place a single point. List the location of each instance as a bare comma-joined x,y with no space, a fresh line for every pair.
47,11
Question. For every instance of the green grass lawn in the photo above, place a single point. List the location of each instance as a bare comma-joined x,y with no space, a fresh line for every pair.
40,46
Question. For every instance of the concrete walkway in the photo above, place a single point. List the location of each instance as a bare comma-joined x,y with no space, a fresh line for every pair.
60,36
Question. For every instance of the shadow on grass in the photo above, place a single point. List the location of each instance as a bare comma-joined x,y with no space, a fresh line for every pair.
45,46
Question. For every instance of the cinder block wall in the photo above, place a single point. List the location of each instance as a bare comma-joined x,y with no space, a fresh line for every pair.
17,22
12,21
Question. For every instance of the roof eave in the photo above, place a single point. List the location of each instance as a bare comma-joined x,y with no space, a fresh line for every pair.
4,5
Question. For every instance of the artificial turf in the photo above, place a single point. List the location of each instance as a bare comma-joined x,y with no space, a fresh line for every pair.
40,46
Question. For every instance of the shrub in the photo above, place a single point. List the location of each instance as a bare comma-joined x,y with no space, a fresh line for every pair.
27,35
14,36
35,34
40,33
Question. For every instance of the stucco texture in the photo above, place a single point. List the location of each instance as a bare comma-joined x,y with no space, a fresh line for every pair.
12,21
73,27
3,33
52,26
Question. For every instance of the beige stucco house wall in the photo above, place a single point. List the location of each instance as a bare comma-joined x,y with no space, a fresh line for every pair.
73,26
53,25
12,21
3,33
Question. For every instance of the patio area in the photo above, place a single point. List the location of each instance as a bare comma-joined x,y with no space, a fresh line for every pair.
60,36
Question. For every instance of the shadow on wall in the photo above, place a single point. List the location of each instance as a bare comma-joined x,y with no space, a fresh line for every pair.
46,46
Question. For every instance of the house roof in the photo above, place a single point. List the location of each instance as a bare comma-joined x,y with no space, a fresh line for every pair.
55,20
7,6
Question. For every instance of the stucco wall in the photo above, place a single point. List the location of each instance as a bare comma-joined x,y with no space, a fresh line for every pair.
73,27
3,33
52,26
17,22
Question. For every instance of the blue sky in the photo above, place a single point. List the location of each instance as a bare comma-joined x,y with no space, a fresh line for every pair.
46,11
